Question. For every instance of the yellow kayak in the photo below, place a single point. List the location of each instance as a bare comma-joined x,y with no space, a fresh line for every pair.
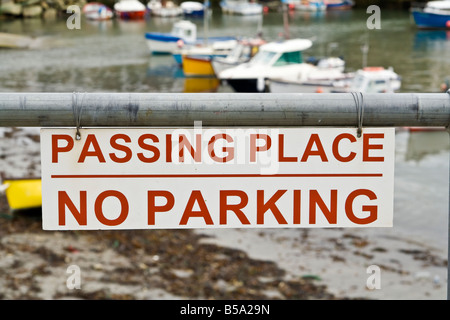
23,193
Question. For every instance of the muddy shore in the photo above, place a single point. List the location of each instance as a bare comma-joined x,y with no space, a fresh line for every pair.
202,264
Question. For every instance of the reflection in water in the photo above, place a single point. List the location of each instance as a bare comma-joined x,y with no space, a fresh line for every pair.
201,84
117,50
421,144
431,39
164,69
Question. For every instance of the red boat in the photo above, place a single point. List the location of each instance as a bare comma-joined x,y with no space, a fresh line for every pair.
130,9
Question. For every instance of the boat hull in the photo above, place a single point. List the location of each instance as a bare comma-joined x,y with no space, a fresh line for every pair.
250,85
194,66
426,20
193,9
220,65
24,193
164,43
194,13
160,43
131,15
276,86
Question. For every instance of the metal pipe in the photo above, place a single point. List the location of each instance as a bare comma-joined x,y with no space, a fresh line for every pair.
448,226
221,109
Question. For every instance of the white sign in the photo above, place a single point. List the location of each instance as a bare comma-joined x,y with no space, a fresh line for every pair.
217,178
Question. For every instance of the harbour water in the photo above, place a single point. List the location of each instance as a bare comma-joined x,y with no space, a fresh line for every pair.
112,56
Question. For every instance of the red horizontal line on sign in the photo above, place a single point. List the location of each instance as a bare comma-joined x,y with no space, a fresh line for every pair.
231,175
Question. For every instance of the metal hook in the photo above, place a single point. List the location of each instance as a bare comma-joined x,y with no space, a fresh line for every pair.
77,110
359,111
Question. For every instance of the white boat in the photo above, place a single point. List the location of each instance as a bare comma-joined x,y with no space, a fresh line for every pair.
130,9
274,60
167,9
372,80
193,8
183,34
205,50
97,11
241,53
366,80
241,7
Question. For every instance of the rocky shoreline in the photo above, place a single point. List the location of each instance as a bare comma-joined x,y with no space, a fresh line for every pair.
46,9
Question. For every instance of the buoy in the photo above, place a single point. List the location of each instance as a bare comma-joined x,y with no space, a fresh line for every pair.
319,90
447,24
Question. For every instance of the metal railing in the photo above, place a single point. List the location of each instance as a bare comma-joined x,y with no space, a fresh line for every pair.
227,109
223,109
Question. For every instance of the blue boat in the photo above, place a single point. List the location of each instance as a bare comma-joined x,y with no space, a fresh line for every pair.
339,4
183,34
435,15
193,8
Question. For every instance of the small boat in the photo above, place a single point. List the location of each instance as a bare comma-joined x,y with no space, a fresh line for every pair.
183,35
310,5
23,193
130,9
339,4
366,80
241,7
241,53
435,15
320,78
197,66
273,60
97,11
164,9
205,50
193,9
372,80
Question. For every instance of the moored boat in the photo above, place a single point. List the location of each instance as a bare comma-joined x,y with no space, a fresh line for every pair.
193,9
373,80
197,66
164,8
366,80
97,11
241,53
339,4
183,35
273,60
435,15
310,5
241,7
130,9
23,193
205,50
